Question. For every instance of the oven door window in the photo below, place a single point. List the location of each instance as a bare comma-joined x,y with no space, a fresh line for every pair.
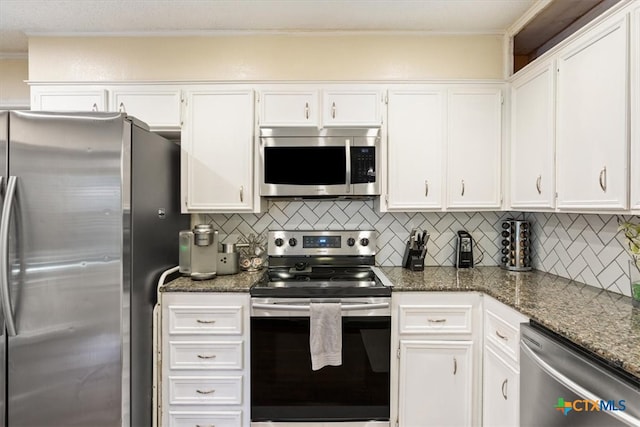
285,388
305,165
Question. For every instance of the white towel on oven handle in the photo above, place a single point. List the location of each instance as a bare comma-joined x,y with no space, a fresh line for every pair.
325,334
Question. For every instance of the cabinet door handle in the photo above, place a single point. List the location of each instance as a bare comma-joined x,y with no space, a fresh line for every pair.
95,107
306,110
538,182
462,193
603,179
504,389
241,194
205,391
436,320
201,356
205,321
121,108
333,110
426,189
502,337
455,366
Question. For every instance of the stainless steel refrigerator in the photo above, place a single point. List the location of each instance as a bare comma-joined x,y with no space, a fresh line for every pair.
90,218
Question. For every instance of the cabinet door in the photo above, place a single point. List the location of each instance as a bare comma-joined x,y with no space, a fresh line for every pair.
532,139
352,108
415,149
217,160
435,383
69,99
156,106
635,110
289,108
592,145
501,391
474,146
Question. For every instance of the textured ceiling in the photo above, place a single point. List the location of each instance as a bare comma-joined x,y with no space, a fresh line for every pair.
19,18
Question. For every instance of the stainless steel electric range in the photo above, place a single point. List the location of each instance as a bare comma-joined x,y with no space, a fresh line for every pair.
307,267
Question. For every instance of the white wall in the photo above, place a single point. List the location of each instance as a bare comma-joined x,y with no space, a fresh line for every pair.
14,92
300,56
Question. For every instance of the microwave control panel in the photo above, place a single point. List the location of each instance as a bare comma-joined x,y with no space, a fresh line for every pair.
363,165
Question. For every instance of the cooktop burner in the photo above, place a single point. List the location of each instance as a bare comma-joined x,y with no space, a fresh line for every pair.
320,263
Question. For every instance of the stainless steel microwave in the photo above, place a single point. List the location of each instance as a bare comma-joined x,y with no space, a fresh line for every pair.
302,162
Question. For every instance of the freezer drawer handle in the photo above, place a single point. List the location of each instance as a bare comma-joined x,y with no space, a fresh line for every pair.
7,206
573,386
205,391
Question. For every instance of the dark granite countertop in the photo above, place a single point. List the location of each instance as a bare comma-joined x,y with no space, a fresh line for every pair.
603,322
240,282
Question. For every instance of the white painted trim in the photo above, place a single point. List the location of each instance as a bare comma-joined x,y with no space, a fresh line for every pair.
531,13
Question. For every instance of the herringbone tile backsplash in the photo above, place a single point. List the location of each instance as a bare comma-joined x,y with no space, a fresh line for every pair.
585,248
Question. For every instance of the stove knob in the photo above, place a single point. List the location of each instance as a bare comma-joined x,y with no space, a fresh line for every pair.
364,241
292,242
351,241
279,242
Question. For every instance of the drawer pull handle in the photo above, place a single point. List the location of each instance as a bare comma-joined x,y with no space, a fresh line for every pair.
504,389
502,337
202,425
206,322
437,320
200,356
205,391
455,366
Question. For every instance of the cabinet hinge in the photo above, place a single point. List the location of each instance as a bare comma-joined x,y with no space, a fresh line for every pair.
501,99
258,97
397,422
398,353
386,99
556,194
386,199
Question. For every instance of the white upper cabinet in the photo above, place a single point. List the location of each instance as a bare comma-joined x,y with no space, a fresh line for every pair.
279,108
532,177
474,147
351,108
157,106
592,121
68,98
635,108
415,139
217,157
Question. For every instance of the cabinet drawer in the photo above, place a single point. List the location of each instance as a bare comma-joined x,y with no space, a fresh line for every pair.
208,418
205,390
505,337
432,319
209,320
205,355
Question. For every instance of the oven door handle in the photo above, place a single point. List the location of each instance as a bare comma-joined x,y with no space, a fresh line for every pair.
307,307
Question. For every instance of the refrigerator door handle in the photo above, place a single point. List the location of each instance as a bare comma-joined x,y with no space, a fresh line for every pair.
7,206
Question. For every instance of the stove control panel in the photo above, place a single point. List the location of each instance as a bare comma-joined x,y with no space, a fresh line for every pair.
335,243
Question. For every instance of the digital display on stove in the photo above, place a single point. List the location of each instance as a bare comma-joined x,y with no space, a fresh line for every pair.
321,241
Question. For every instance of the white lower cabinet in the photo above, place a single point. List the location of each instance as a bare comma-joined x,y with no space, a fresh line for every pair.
436,375
435,383
205,359
501,364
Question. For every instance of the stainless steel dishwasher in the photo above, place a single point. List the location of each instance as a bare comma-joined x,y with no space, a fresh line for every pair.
562,384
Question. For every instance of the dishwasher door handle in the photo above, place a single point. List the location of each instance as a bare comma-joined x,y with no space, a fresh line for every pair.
572,385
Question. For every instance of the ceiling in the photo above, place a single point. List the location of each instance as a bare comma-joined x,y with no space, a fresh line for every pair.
20,18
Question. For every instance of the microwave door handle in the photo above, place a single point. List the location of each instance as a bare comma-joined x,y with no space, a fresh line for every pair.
347,147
